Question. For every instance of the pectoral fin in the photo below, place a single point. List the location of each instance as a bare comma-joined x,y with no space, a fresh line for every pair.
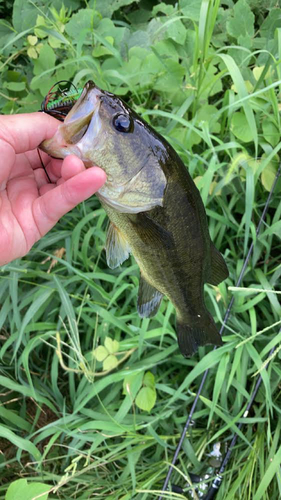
218,271
149,299
117,248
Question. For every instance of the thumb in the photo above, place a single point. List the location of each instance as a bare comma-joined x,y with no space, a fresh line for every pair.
51,206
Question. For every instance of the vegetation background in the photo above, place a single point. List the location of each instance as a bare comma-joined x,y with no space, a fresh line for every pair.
80,422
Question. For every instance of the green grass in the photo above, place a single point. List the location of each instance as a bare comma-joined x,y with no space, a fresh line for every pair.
207,76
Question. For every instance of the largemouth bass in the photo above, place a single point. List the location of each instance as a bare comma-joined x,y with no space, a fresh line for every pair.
155,210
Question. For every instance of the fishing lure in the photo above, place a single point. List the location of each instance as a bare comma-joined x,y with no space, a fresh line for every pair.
59,102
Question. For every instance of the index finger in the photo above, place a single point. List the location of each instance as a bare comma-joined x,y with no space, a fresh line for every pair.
26,131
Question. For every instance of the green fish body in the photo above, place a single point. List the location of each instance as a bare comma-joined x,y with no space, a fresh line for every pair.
155,210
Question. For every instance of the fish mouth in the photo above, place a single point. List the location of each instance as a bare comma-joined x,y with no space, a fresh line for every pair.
80,128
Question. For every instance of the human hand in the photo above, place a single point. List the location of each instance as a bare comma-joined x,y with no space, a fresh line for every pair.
29,205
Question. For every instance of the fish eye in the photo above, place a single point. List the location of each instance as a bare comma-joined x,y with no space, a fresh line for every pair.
123,123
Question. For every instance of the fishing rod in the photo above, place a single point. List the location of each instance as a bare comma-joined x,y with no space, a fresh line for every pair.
215,486
226,317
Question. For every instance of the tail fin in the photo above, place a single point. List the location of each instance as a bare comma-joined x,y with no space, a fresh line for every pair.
191,334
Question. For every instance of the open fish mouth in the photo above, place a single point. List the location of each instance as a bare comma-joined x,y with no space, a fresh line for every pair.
80,129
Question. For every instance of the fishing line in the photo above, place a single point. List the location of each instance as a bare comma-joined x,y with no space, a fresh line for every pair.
226,317
42,163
